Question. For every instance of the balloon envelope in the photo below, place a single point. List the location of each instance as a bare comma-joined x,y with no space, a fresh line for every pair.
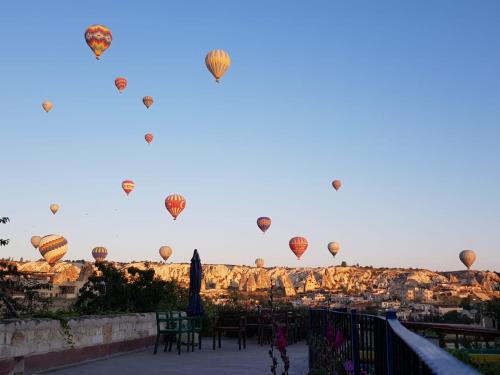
35,241
336,184
165,252
98,38
334,248
264,223
148,101
149,138
175,204
54,207
217,61
298,245
121,83
128,186
99,253
53,247
468,257
259,262
47,106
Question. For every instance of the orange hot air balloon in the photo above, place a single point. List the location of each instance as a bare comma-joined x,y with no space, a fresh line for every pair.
128,186
264,223
120,84
336,184
298,245
148,101
149,138
47,106
217,62
54,207
98,38
53,247
175,204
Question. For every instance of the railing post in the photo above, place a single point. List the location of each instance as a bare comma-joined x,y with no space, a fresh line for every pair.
355,341
390,314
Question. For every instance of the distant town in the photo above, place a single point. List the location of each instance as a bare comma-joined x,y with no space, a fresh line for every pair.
415,294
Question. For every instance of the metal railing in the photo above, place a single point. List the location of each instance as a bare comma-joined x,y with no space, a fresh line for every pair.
366,344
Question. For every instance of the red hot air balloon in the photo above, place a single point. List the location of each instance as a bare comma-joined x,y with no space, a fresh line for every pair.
120,84
298,245
128,186
264,223
149,138
336,184
175,204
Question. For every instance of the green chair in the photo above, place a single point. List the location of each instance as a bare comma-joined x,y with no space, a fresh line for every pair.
174,325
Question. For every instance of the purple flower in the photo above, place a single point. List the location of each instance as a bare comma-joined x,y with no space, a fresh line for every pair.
339,339
349,366
281,339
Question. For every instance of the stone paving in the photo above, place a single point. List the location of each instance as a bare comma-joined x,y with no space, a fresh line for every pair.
227,360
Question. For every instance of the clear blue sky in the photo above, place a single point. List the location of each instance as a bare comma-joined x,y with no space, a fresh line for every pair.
399,100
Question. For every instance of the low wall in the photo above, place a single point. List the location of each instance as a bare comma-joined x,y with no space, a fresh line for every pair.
31,345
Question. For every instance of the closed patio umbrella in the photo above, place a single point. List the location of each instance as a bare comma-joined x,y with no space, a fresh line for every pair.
195,306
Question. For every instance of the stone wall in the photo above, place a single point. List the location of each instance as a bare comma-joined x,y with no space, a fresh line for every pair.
30,345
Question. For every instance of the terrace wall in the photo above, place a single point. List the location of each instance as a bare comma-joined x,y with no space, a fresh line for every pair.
29,345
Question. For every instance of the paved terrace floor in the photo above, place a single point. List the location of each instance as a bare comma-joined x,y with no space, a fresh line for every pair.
227,360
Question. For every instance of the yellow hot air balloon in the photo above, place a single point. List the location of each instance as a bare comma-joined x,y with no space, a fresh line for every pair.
334,248
165,252
47,106
259,262
217,61
54,207
53,247
35,241
468,257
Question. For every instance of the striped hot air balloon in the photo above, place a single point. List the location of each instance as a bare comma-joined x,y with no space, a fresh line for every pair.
165,252
148,101
333,248
120,84
99,253
467,257
149,138
217,61
175,203
53,247
298,245
98,38
47,106
264,223
259,262
128,186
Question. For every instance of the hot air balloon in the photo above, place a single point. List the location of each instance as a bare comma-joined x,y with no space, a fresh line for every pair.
175,203
54,207
99,253
264,223
98,38
298,245
35,241
149,138
148,101
165,252
468,257
334,248
128,186
217,62
47,106
53,247
259,262
120,84
336,184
